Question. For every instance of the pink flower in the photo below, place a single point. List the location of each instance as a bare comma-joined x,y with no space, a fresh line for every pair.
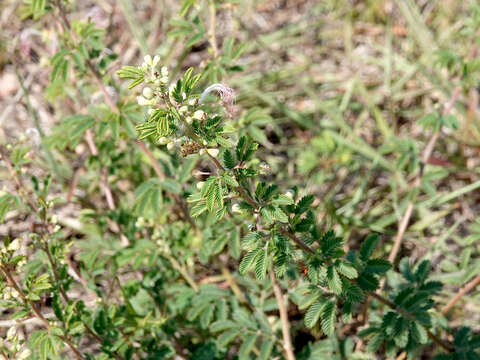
227,95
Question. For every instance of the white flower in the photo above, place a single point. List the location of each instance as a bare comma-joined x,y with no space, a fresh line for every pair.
14,245
200,185
236,208
164,71
147,93
170,146
290,194
183,110
202,152
163,140
213,152
199,115
150,111
164,80
189,119
192,102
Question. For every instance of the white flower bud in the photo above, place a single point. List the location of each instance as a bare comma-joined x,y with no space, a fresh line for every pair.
170,145
155,61
147,60
189,119
142,101
200,185
25,354
147,93
183,110
11,333
290,194
213,152
163,140
192,102
164,71
199,115
202,152
14,245
164,80
236,208
150,111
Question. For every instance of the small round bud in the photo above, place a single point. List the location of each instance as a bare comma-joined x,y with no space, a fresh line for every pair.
290,193
164,80
183,110
163,140
11,333
25,354
192,102
150,111
202,152
199,115
142,101
14,245
164,71
155,61
148,60
147,93
200,185
213,152
170,145
236,208
189,119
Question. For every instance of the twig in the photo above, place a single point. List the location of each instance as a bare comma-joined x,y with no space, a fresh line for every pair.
287,340
37,311
212,31
470,286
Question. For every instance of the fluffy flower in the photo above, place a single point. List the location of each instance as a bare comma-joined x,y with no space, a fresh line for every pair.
227,95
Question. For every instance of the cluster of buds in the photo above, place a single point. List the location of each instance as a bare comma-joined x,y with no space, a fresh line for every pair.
152,77
15,345
10,294
12,247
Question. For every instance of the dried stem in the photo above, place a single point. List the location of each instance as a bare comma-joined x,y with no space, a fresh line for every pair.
212,31
470,286
287,340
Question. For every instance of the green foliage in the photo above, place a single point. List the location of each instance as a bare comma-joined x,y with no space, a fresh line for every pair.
179,207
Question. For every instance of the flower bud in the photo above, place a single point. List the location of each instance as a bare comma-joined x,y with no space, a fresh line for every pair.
155,61
25,354
199,115
164,80
236,208
142,101
164,71
192,102
14,245
183,110
150,111
200,185
189,119
147,93
202,152
11,333
213,152
170,146
163,140
147,60
290,193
